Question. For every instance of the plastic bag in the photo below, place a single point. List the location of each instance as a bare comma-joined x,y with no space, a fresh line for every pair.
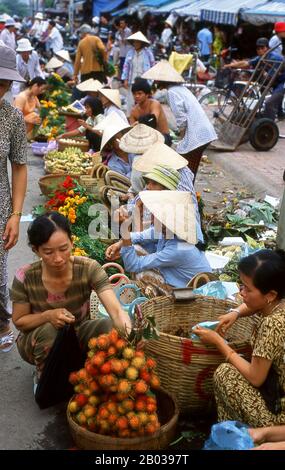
64,357
229,435
219,289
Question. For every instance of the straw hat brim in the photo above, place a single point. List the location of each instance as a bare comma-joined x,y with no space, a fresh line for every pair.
115,124
90,85
139,142
113,97
163,72
159,154
63,54
159,179
54,63
139,36
175,210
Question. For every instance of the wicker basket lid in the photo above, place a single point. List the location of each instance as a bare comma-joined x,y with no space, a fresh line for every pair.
140,138
159,154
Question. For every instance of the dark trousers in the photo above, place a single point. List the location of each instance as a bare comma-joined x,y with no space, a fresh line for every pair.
94,140
96,75
273,105
194,158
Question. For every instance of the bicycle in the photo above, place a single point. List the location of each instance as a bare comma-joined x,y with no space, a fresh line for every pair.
220,101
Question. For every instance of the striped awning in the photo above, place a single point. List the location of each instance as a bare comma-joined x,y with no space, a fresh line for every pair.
193,9
268,12
226,12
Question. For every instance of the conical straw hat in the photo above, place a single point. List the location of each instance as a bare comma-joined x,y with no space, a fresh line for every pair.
54,63
106,121
138,37
90,85
114,125
175,210
112,95
140,138
63,54
163,72
159,154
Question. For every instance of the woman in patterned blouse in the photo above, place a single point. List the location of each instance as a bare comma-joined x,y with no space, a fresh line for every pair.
244,390
13,147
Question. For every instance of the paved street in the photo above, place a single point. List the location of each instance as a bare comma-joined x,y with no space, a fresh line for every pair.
22,424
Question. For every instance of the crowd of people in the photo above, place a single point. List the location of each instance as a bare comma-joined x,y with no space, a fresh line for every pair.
135,141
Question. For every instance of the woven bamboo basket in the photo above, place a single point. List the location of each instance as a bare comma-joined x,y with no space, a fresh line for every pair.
96,158
186,366
82,144
49,183
167,415
92,185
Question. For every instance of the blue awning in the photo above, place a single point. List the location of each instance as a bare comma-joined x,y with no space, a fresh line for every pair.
268,12
105,6
193,9
154,3
173,6
226,12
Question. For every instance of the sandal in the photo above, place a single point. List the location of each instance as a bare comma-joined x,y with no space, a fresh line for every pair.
7,341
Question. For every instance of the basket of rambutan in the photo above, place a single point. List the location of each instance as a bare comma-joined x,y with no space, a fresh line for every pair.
118,403
185,365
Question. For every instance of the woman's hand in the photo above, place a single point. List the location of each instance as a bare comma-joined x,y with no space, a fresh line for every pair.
11,233
58,317
225,322
270,446
82,123
113,251
207,336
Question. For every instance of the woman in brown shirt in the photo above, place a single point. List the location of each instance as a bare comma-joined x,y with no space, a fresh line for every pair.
55,291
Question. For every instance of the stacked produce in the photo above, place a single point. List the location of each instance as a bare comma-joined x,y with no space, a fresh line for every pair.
113,394
72,161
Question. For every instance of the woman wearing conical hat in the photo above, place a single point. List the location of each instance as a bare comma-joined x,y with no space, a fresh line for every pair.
117,160
111,102
196,131
138,60
176,258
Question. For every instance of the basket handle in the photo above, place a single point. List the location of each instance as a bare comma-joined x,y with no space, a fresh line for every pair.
114,265
137,301
118,276
128,286
99,170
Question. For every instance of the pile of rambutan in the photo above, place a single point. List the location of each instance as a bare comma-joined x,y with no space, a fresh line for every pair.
114,391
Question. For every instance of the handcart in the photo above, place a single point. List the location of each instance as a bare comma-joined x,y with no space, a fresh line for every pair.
244,122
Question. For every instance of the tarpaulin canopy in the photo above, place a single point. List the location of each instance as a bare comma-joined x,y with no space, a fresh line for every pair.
173,6
267,12
105,6
193,9
226,12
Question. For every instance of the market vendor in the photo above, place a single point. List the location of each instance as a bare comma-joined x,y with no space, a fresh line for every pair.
55,291
93,110
176,259
116,159
111,102
27,101
252,390
161,154
196,131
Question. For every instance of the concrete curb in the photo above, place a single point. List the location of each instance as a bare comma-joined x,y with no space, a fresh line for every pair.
257,178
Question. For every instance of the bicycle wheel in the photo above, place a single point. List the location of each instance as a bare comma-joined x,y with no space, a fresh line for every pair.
217,104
